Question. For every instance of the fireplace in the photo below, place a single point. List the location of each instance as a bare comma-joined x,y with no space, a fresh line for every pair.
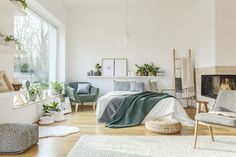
212,84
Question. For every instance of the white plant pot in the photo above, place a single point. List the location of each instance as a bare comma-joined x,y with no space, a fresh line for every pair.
58,116
45,120
10,44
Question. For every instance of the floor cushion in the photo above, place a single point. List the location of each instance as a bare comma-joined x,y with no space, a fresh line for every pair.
169,126
17,138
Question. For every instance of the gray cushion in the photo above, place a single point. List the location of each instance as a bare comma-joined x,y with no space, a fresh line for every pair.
136,86
121,85
216,119
83,88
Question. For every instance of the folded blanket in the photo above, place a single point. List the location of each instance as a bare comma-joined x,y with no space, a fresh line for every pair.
134,108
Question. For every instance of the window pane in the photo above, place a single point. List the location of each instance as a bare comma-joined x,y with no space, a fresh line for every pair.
38,39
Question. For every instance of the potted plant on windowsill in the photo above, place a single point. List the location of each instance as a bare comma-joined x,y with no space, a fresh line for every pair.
56,112
33,93
57,87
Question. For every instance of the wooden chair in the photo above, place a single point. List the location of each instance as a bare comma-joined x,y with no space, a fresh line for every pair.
226,102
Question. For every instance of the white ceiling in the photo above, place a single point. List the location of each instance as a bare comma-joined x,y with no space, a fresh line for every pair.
133,3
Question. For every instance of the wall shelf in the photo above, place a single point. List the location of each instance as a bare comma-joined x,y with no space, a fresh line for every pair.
126,77
11,50
10,8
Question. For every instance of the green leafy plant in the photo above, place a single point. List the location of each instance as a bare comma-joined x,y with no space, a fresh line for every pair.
24,68
10,38
44,85
147,69
141,70
57,86
33,92
54,107
45,110
24,3
98,67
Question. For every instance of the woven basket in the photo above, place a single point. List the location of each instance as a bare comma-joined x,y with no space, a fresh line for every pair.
170,126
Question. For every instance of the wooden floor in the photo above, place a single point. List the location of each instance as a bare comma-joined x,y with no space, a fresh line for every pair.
60,146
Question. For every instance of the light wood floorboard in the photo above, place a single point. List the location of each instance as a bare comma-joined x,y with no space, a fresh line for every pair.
60,146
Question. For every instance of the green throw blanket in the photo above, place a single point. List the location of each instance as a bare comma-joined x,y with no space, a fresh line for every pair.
134,108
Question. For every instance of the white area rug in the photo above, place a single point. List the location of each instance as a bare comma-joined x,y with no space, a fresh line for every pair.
158,146
56,131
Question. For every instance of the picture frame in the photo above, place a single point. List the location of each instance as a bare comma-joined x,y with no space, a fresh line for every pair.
121,68
5,85
108,66
66,106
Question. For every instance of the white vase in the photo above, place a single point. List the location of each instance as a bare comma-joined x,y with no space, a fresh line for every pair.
11,44
45,120
58,116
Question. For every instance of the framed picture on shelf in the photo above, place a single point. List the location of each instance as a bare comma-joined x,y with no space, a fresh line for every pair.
121,67
5,85
65,106
108,66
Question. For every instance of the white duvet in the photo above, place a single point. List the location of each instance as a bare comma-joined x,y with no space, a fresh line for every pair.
168,108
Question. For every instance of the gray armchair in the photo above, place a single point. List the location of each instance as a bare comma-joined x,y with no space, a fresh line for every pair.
70,91
226,102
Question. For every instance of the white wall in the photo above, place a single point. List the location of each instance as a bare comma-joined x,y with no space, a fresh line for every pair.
95,29
225,33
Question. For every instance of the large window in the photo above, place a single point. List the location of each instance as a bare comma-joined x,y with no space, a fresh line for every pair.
39,39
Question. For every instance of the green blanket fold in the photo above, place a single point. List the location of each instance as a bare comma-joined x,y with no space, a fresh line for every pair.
134,108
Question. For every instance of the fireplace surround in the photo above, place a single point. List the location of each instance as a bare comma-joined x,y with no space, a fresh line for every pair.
212,84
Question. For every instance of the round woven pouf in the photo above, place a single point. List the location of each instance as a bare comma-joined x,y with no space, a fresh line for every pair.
169,126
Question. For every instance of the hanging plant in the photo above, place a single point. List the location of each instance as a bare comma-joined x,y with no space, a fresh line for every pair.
10,38
23,3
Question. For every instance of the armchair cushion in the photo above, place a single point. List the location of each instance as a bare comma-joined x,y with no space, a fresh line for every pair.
216,119
83,88
86,97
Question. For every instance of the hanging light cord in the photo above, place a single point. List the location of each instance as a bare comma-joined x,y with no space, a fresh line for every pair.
127,17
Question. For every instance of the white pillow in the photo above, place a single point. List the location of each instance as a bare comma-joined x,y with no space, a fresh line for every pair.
136,86
147,86
83,88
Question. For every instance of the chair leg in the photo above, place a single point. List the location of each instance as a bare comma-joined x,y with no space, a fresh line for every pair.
82,104
211,132
195,134
94,106
76,107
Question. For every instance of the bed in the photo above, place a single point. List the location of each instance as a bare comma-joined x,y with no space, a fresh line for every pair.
167,108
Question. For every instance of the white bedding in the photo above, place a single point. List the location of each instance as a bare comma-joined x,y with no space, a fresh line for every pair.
168,108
